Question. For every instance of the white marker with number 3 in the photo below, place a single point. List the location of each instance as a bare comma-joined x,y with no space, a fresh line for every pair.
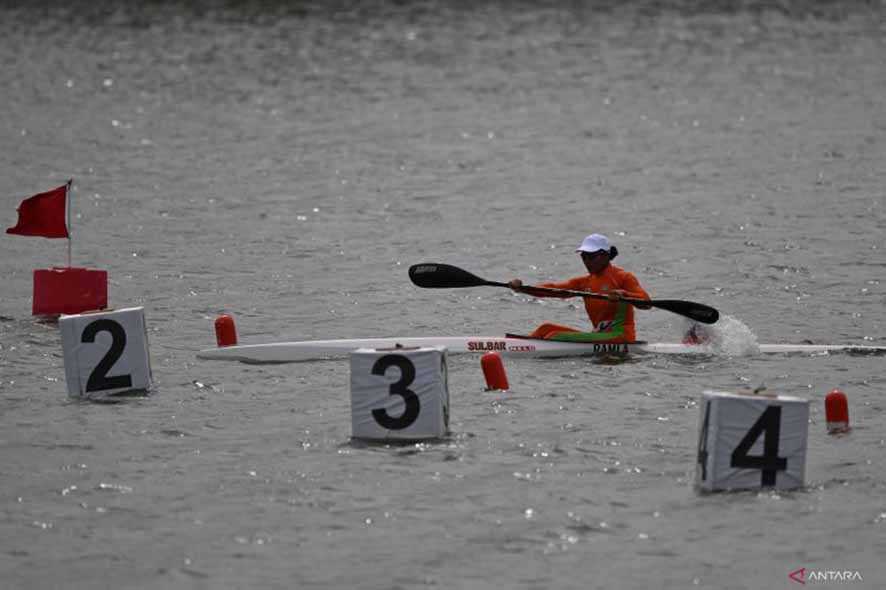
399,394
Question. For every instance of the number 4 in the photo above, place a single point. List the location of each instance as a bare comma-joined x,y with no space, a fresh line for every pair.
769,424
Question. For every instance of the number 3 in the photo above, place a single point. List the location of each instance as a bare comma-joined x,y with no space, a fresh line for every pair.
98,379
407,376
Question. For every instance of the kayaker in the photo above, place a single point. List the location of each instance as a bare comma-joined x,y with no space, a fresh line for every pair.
613,320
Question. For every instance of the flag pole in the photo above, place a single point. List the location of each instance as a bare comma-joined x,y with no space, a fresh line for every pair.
70,204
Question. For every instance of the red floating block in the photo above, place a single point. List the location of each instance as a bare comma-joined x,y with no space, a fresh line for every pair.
68,290
494,371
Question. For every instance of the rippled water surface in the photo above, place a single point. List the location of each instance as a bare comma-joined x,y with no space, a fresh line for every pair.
286,163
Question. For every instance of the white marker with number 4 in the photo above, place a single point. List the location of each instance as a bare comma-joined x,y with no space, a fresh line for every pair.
106,353
751,441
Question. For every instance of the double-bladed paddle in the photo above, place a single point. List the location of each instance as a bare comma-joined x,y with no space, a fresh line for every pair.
433,275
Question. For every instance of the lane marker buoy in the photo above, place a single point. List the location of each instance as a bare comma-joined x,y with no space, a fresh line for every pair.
225,330
836,409
494,372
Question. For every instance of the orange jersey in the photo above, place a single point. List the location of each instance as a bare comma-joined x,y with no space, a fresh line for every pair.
606,316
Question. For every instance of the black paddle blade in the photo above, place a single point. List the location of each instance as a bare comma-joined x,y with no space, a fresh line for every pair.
694,311
434,275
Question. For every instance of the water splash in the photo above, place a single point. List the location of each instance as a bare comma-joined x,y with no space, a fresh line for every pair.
729,336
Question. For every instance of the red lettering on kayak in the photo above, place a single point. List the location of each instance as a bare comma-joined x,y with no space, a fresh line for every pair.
488,345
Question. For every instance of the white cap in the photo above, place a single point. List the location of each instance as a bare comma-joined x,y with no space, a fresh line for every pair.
594,243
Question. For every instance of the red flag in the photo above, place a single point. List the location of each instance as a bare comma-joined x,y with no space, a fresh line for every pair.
43,215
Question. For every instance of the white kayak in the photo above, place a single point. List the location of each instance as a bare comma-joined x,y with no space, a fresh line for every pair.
513,346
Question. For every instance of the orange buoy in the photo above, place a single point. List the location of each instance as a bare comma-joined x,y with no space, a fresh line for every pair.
225,331
836,409
494,371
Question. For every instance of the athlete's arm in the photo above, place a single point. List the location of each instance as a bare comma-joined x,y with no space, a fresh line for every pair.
631,289
517,285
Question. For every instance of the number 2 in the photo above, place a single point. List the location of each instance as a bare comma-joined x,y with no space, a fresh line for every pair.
98,379
401,388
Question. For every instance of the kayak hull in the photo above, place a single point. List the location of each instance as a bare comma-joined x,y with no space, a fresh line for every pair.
309,350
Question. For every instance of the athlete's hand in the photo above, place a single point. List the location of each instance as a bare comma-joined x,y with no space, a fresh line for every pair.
515,284
616,295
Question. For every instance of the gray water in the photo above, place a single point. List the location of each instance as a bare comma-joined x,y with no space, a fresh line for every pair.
287,162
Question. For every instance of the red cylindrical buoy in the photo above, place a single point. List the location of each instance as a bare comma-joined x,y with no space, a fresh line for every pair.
494,371
836,410
225,331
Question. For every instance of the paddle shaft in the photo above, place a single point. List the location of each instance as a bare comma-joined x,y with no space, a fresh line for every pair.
694,311
572,293
445,276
